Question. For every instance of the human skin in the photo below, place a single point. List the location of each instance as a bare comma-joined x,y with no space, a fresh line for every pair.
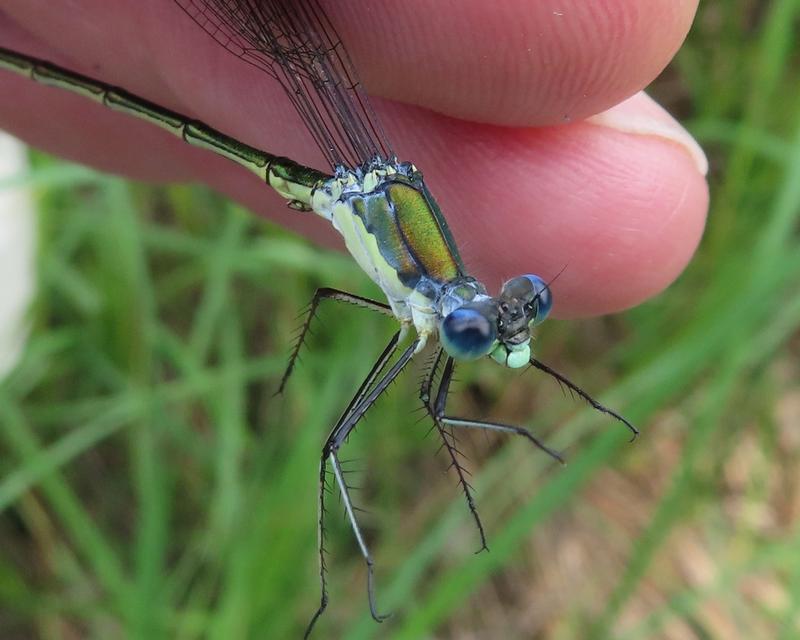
497,102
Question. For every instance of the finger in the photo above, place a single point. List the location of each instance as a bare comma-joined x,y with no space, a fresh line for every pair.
518,200
512,62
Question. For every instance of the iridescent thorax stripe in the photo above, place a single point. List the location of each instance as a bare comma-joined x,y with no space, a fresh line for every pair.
411,233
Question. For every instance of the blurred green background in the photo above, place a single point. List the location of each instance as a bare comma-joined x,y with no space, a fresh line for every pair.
150,486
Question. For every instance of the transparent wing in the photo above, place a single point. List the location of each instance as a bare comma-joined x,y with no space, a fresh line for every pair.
294,42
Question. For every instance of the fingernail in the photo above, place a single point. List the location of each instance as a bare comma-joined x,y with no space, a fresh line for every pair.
641,115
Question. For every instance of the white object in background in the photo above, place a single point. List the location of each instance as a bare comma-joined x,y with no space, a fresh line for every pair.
17,253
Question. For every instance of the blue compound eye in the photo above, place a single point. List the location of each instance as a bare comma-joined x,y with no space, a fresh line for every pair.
533,293
543,298
470,331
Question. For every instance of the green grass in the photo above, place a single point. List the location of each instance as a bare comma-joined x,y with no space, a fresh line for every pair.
151,487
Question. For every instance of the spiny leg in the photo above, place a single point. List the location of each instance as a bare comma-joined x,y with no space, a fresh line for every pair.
320,295
357,409
440,409
337,439
585,396
365,397
362,545
452,450
379,365
323,569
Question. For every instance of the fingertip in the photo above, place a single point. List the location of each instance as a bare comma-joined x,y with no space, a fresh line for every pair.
640,235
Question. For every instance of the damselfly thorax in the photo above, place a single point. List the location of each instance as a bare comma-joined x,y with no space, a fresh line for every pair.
393,228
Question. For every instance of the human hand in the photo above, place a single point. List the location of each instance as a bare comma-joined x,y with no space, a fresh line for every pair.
618,202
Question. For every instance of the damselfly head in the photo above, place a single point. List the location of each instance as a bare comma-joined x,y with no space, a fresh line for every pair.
500,326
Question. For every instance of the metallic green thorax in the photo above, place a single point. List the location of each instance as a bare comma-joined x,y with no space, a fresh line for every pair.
412,235
395,232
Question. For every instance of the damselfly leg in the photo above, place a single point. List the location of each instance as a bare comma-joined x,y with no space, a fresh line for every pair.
436,406
561,379
440,415
321,294
370,390
449,443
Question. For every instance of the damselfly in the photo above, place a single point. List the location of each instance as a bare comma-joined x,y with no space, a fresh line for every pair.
384,211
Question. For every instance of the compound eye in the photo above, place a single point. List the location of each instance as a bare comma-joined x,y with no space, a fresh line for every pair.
543,298
533,292
470,331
